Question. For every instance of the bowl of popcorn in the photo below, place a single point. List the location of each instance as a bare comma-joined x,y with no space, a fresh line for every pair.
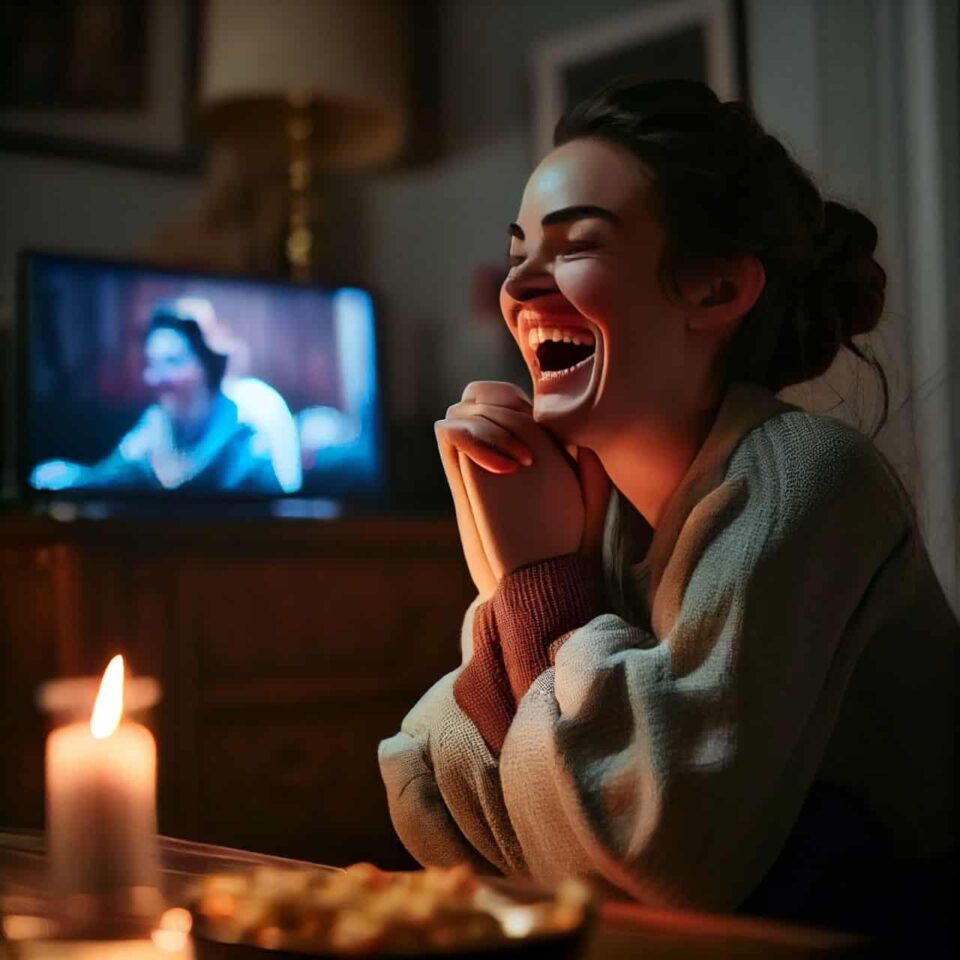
269,913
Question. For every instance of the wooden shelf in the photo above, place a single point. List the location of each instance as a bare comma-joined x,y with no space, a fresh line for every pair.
286,649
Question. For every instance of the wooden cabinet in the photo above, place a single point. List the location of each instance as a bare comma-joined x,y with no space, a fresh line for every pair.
287,650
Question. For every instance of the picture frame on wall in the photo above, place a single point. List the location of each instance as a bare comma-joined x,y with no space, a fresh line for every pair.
686,39
110,81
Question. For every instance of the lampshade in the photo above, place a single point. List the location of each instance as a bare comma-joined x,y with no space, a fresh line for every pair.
341,61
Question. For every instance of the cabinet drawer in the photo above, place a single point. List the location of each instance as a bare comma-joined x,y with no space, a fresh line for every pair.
300,783
303,616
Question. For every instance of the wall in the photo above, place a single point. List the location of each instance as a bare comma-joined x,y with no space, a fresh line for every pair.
865,93
80,207
827,77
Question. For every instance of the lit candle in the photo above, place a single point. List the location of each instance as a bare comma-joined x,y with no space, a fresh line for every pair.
101,816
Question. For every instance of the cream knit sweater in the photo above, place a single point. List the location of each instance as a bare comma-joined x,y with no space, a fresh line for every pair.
794,632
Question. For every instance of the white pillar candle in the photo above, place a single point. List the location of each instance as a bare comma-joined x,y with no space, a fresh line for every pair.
101,816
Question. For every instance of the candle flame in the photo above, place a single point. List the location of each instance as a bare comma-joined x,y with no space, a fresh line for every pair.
108,707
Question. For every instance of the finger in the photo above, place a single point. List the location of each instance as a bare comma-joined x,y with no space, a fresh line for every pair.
514,421
472,481
473,549
489,431
520,424
498,392
482,441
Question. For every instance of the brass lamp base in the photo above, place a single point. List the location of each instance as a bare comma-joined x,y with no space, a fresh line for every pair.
300,242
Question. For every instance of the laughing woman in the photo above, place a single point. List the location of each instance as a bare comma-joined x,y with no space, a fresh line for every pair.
709,665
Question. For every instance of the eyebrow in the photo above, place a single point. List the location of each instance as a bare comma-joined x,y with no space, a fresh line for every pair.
568,215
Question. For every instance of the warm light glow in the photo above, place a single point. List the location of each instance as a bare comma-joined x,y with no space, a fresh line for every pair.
108,707
171,933
176,918
25,927
517,922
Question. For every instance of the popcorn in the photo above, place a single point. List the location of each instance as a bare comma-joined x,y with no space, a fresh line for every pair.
363,910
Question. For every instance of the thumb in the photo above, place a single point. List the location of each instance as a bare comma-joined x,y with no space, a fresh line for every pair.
596,488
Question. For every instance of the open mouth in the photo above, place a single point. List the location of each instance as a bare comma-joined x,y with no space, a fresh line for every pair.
560,352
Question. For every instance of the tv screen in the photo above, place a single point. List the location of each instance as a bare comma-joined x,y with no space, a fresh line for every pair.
141,381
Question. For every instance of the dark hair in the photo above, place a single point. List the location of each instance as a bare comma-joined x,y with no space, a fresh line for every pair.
169,315
725,187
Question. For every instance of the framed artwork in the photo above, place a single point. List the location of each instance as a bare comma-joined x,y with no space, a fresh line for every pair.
688,39
113,81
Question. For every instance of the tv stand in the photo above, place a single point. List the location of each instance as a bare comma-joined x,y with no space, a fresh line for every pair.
291,508
286,650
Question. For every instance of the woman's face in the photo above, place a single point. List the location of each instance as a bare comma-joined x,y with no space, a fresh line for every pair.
173,372
602,341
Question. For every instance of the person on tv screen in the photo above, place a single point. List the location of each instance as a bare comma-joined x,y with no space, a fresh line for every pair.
259,405
190,438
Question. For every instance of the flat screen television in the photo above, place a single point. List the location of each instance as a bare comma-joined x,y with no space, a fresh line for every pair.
139,382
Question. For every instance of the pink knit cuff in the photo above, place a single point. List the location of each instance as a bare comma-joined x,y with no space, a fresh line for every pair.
481,689
537,606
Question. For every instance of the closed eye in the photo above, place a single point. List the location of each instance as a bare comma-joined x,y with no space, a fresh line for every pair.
572,249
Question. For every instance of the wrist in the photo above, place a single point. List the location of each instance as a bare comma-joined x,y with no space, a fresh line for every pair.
482,689
536,605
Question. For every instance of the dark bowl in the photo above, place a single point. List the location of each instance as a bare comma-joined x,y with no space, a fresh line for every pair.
565,946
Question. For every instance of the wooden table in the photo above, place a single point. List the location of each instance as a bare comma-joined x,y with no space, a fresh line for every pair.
647,933
623,931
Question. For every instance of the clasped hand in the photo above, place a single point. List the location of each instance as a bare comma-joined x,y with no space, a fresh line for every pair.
519,495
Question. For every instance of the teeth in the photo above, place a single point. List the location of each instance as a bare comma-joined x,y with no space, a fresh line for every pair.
537,335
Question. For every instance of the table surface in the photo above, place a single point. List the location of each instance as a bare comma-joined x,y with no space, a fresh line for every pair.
623,930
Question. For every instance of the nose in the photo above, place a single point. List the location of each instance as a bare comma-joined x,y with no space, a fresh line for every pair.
157,379
525,288
529,280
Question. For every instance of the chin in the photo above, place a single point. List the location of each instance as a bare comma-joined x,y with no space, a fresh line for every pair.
569,426
169,406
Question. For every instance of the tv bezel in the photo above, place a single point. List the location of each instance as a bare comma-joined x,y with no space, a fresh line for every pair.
27,495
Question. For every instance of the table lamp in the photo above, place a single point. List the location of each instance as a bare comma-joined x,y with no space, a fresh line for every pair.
320,83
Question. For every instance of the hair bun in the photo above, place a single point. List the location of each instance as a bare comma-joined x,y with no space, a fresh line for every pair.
846,285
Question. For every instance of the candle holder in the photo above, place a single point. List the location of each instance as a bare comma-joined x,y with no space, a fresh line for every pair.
101,769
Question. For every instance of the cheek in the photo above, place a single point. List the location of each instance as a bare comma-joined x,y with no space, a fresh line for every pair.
191,376
599,290
616,295
506,303
178,379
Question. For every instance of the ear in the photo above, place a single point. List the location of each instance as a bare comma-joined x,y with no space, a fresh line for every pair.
724,293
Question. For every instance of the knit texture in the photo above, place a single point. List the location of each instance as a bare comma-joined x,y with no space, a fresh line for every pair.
482,688
797,635
515,638
535,605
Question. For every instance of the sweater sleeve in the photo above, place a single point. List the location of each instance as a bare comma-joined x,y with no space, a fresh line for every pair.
513,635
675,770
442,780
